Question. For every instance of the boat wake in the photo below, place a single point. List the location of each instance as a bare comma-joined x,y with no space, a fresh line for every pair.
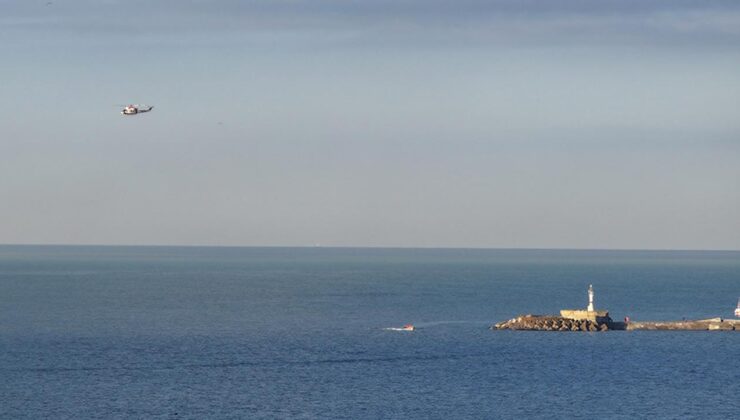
451,323
430,324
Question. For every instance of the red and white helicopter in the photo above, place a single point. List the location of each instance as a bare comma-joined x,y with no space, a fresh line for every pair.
136,109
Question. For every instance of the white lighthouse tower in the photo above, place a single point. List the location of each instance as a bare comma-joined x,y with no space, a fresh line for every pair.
590,298
590,313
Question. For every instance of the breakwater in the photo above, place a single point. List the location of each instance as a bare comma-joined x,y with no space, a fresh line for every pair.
552,323
713,324
559,323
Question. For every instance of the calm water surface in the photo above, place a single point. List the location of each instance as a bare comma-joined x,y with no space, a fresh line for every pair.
159,332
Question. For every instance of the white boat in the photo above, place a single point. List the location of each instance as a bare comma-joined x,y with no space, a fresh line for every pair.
737,310
407,327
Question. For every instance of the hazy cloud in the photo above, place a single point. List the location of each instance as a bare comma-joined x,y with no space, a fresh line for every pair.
393,23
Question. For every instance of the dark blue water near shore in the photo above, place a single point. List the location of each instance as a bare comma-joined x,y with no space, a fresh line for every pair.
155,332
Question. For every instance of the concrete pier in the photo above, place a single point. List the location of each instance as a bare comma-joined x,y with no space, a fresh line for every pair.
713,324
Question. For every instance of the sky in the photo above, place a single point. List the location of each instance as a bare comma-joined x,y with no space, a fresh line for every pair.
400,123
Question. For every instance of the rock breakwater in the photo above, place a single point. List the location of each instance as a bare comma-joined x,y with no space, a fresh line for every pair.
551,323
558,323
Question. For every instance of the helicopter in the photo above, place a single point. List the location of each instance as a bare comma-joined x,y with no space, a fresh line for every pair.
135,109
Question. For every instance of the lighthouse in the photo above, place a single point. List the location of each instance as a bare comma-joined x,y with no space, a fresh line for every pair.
590,313
590,298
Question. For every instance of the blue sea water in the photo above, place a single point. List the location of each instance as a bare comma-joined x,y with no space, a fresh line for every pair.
191,332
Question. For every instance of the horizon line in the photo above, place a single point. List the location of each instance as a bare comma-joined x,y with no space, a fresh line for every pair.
471,248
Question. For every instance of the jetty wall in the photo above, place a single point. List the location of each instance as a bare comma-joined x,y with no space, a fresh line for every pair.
714,324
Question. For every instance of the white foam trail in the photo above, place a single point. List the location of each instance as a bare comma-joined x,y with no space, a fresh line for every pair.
435,323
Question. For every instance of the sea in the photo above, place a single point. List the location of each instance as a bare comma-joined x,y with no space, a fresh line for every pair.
106,332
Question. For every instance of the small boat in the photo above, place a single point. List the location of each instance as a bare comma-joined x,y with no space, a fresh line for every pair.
407,327
737,310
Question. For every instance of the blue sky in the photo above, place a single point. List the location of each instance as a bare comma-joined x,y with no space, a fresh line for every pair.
568,124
